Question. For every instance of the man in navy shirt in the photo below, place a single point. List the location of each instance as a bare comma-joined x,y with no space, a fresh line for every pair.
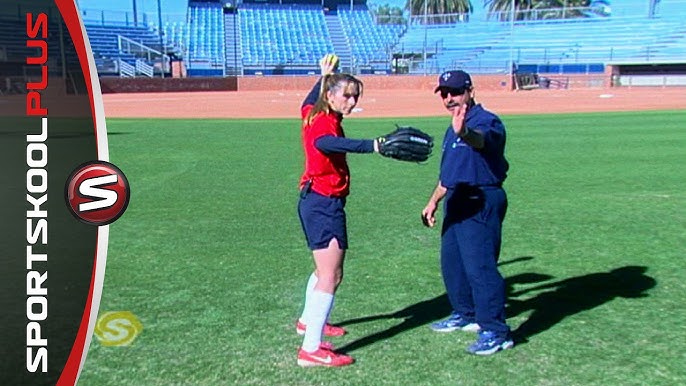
473,168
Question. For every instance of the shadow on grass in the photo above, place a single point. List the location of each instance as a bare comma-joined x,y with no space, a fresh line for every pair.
425,312
118,133
416,315
574,295
561,299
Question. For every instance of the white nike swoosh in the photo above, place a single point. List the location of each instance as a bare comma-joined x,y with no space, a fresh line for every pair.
324,360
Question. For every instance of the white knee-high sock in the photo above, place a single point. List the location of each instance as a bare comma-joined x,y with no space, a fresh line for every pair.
317,308
308,292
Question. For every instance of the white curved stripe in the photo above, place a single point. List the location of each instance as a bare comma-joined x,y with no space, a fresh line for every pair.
104,230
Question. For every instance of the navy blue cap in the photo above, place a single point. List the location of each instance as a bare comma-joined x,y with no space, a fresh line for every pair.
454,79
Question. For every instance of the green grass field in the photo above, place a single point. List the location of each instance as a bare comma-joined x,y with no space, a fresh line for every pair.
211,258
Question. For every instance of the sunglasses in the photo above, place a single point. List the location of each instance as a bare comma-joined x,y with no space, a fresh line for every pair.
452,92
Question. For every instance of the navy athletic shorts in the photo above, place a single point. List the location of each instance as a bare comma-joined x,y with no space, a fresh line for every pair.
322,219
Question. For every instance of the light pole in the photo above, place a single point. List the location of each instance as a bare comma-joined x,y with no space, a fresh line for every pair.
159,22
135,14
426,22
511,64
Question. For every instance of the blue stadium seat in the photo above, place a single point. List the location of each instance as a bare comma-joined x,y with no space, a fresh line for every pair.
104,41
629,35
205,41
370,42
282,35
296,36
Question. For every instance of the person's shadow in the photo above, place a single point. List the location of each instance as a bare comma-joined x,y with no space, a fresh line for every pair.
413,316
574,295
424,312
565,298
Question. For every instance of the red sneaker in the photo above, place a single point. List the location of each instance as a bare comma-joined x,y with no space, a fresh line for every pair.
323,357
329,329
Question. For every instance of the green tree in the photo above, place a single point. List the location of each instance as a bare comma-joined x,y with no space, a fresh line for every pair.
536,9
397,16
385,14
450,11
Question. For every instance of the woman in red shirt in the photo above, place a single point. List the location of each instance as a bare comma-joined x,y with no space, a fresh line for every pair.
324,187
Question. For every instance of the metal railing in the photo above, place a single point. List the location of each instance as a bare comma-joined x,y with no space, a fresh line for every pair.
126,70
144,68
143,52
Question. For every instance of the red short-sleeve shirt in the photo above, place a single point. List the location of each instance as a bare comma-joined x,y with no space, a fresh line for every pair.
329,173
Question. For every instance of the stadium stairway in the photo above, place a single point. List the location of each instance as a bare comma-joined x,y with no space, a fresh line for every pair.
233,48
338,40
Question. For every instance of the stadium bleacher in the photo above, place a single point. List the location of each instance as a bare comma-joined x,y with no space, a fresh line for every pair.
127,43
206,46
276,38
371,43
569,45
276,35
14,71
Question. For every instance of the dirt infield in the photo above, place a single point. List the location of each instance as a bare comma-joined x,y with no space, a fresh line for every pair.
388,103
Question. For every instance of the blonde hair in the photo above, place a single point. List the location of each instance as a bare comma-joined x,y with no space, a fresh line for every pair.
332,82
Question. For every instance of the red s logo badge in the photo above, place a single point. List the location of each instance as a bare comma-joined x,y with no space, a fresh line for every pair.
97,193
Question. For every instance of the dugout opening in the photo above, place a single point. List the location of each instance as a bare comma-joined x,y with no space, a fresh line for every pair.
642,74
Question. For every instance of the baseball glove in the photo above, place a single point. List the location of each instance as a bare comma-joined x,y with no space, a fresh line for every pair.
406,144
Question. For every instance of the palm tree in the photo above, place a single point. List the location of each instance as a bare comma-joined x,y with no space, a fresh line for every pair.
536,9
562,9
450,10
502,9
385,14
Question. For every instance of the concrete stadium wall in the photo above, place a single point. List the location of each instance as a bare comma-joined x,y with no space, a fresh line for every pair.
305,82
136,85
386,82
577,81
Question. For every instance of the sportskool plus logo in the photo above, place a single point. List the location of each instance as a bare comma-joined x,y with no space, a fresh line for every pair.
97,193
117,328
